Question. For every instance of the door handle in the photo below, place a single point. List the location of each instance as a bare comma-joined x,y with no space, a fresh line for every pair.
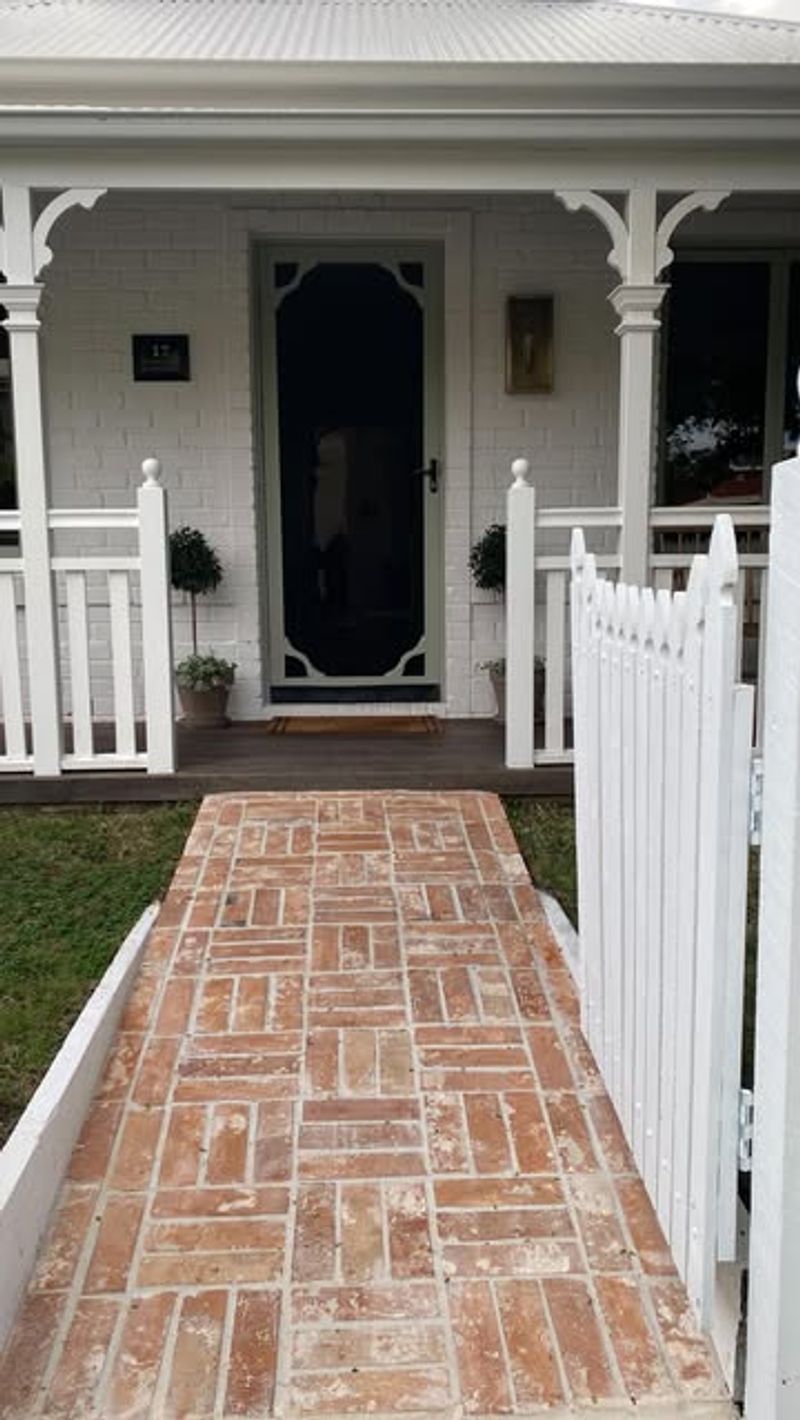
431,472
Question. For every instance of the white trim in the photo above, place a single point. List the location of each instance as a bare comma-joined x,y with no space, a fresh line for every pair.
34,1160
453,230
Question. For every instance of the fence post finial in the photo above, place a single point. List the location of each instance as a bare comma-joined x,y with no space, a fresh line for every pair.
151,468
520,469
577,550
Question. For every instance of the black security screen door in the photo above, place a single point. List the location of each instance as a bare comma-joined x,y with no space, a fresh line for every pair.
349,359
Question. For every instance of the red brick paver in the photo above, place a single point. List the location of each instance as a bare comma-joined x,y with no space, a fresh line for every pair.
350,1155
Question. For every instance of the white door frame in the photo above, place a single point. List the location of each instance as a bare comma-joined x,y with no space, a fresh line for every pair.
406,226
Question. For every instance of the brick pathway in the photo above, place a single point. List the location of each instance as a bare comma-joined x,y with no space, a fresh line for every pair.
350,1155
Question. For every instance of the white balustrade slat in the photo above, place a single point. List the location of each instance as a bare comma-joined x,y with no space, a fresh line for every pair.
656,788
662,579
762,652
673,890
121,663
11,673
644,809
734,974
555,626
742,598
79,668
686,945
612,833
713,908
660,739
628,603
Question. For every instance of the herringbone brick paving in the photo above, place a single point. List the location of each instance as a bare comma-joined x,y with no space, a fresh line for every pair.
350,1155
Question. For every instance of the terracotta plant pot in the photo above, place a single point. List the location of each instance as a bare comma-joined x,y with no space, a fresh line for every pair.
498,680
205,707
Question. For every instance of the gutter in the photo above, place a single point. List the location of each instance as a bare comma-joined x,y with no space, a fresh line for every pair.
381,87
58,124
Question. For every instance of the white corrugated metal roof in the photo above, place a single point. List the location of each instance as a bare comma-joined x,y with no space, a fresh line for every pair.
423,31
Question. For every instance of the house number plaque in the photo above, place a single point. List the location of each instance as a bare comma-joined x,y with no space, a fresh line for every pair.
161,357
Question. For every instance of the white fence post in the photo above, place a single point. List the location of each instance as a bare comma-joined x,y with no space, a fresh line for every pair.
22,324
520,618
773,1358
156,622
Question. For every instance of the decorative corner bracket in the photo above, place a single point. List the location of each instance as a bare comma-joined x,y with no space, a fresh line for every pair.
72,197
612,220
692,202
626,235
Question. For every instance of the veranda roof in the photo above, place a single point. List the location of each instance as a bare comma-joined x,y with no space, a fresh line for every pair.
484,32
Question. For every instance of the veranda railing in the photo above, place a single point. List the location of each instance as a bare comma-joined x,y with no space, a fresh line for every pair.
537,621
113,619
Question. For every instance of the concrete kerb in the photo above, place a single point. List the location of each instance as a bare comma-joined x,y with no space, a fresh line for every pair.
35,1157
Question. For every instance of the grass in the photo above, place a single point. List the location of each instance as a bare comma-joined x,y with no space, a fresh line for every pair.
545,832
72,884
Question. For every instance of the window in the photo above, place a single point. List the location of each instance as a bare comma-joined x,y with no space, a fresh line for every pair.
732,347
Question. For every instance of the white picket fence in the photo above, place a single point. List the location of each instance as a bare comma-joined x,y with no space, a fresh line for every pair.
537,620
663,736
131,590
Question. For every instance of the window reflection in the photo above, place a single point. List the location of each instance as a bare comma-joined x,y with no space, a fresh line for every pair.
716,370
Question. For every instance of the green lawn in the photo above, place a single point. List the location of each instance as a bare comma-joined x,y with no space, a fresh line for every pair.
72,884
545,832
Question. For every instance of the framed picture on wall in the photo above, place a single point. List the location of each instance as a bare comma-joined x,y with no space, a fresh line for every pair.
529,345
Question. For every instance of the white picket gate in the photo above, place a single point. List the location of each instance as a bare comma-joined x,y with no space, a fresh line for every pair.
663,737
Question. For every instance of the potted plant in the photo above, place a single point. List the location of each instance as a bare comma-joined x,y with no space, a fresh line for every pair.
487,563
203,681
203,686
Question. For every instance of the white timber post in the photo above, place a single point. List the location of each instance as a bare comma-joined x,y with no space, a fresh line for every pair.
520,617
156,621
773,1349
639,253
21,299
637,302
23,254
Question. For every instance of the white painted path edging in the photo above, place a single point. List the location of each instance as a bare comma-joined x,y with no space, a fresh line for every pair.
35,1158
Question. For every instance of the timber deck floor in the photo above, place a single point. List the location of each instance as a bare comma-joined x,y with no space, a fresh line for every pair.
468,754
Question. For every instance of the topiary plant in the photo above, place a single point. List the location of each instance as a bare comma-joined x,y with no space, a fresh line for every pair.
208,672
487,560
194,568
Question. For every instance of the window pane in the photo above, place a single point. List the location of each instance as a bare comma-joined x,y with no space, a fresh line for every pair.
791,407
716,371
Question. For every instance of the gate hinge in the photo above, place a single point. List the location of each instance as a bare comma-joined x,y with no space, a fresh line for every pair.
756,799
745,1150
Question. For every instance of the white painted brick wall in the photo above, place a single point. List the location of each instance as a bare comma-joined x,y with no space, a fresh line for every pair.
139,264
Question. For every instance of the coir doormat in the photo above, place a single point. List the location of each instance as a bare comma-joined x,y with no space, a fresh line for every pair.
355,725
